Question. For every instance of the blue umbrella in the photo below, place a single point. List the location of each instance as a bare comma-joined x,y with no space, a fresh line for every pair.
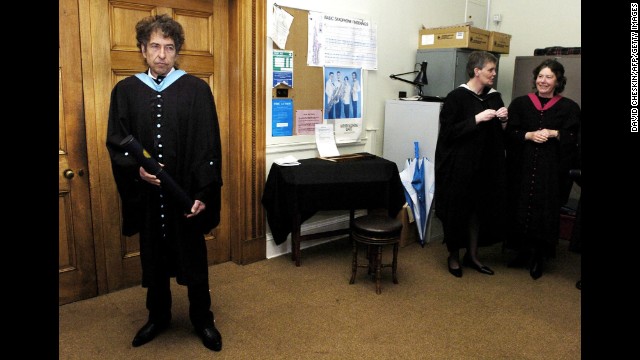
418,187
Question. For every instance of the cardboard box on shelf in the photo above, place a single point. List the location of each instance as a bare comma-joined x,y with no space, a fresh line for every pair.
463,36
409,234
499,42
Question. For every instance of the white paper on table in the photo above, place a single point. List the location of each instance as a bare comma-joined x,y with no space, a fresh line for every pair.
288,160
326,141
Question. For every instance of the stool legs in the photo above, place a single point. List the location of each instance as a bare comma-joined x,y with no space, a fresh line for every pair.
394,266
375,265
378,267
354,262
375,231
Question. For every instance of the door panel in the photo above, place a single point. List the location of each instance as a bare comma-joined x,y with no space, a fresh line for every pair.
76,257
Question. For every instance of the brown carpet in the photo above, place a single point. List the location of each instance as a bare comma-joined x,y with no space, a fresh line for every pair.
273,310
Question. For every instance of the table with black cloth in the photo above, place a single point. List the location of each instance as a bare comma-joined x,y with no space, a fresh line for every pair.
293,194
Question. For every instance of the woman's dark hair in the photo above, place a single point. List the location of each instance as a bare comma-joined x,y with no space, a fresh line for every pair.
164,23
557,69
478,59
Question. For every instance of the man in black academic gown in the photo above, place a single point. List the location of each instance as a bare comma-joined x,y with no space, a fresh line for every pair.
173,116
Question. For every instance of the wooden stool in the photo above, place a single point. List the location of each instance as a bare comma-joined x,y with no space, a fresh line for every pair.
375,231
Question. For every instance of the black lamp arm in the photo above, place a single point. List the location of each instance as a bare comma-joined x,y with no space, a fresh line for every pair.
405,80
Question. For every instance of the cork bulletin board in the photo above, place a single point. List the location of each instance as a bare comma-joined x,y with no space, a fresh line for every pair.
308,81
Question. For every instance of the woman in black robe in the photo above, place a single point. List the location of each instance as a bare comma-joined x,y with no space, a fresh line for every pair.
541,149
470,178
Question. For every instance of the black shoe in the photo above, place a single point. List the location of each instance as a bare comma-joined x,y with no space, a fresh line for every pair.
148,332
211,338
466,261
455,272
536,269
579,285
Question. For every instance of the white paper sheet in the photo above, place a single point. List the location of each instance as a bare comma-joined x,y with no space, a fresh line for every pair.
280,28
341,41
326,141
288,160
348,130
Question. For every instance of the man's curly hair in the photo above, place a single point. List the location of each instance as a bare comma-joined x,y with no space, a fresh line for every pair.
164,23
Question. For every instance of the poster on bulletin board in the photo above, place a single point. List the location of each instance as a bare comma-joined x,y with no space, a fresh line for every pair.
282,68
342,102
282,117
341,41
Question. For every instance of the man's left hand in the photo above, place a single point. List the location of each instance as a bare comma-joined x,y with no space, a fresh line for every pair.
197,208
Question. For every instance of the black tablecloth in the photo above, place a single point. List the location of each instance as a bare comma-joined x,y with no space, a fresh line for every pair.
318,184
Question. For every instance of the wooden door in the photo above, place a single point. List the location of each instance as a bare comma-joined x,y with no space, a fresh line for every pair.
76,260
115,56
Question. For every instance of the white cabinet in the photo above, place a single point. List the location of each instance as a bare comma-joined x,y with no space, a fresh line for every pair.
408,121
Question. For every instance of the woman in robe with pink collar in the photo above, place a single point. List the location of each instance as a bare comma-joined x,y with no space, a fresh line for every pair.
541,148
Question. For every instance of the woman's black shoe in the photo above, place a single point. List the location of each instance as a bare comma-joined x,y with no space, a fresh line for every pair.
466,261
455,272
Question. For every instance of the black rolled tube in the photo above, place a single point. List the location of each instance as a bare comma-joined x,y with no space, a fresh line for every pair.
151,166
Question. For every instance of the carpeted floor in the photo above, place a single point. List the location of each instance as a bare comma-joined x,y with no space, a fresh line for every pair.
272,310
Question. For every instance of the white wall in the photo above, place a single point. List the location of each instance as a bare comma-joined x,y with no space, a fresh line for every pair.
532,24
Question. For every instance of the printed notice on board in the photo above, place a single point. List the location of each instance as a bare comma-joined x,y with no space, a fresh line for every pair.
347,130
281,117
341,41
283,67
306,121
280,26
